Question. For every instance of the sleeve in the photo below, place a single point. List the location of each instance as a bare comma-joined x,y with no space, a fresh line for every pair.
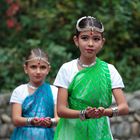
61,79
54,92
15,97
116,78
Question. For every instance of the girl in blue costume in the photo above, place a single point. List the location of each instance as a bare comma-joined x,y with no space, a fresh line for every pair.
85,88
33,104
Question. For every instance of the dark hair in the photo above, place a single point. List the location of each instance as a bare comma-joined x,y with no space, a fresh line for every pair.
88,21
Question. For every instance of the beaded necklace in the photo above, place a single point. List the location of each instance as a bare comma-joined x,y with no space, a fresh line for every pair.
31,86
85,66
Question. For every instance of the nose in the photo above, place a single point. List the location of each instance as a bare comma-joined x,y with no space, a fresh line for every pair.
38,70
90,43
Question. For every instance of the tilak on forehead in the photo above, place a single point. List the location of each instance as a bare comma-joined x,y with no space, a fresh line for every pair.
39,58
92,27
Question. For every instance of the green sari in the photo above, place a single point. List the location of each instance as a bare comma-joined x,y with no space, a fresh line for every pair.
90,87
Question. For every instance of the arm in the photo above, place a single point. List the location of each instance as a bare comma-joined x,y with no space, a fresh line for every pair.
65,112
16,112
18,120
55,114
16,115
52,121
62,109
117,83
121,105
121,102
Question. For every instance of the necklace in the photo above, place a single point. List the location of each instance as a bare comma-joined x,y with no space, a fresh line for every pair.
85,66
31,86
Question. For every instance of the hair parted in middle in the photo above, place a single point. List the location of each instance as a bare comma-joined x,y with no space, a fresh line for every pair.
88,23
37,54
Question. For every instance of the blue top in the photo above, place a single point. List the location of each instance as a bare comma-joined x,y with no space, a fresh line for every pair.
39,104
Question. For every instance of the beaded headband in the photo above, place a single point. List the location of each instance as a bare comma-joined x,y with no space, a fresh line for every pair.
38,58
92,27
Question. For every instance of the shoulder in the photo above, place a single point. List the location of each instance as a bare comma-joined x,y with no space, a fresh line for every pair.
110,66
112,69
54,92
20,88
116,78
68,68
54,89
65,74
68,65
19,93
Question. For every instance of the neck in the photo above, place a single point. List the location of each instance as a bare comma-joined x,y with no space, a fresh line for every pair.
30,85
85,65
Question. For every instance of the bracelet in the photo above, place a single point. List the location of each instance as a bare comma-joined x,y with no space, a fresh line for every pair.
114,111
82,115
28,121
53,122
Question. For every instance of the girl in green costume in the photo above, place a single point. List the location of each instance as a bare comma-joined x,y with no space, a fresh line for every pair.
85,88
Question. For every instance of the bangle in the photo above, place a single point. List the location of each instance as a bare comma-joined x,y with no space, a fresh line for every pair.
82,115
114,111
53,122
28,121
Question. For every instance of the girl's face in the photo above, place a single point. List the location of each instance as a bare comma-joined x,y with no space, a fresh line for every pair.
37,71
89,43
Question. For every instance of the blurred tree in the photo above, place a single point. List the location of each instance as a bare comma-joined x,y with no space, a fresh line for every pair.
51,26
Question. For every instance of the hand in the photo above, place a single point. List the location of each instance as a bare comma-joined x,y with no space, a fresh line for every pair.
90,112
101,111
94,112
44,122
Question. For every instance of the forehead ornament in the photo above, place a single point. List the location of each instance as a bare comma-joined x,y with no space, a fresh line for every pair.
38,58
91,32
92,27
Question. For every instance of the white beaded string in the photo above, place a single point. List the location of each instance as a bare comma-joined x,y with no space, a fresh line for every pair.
85,66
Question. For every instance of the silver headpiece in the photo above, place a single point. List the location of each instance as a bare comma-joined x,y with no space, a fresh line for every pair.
40,57
89,27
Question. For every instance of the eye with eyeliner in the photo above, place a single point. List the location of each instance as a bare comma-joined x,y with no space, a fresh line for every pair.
43,67
96,38
33,66
85,37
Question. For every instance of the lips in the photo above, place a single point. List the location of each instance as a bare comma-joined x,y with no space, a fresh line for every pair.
89,50
37,77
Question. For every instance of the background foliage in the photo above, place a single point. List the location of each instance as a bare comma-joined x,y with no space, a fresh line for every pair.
51,26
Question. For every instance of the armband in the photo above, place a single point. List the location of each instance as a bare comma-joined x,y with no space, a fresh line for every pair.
114,111
82,115
53,122
28,121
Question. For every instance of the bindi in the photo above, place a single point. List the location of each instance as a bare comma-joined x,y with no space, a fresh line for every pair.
38,63
91,33
39,58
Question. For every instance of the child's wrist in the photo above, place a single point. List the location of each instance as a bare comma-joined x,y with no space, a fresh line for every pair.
29,121
53,122
108,112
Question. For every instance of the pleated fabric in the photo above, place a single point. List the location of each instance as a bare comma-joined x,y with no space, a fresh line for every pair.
40,104
90,87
